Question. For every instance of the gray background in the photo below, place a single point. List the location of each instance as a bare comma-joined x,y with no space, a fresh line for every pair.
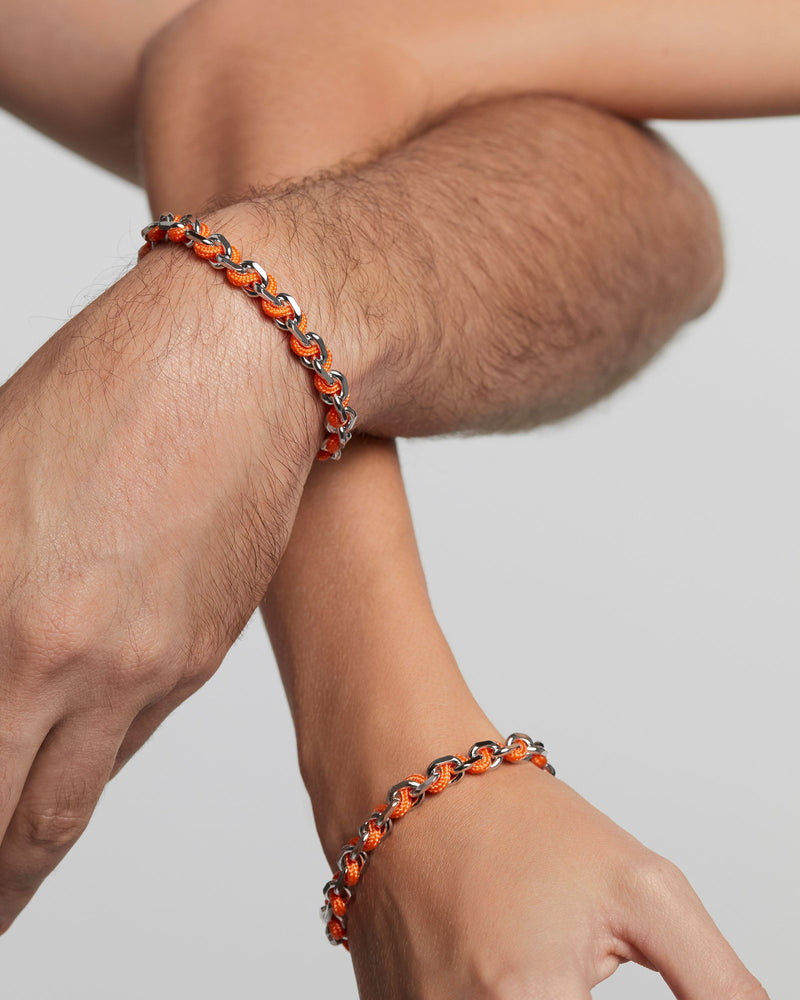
632,586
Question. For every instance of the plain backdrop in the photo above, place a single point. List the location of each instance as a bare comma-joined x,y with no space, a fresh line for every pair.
624,586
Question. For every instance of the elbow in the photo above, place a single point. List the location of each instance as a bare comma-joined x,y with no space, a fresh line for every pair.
698,251
220,116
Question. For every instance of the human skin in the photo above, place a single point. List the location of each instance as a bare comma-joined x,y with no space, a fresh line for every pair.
562,895
155,449
384,67
77,80
325,77
51,832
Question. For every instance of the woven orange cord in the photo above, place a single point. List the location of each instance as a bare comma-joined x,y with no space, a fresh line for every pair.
209,252
518,747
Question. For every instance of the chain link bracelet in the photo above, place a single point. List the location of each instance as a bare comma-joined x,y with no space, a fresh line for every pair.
280,307
406,795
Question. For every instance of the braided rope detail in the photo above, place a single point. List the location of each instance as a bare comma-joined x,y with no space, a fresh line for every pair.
400,799
278,307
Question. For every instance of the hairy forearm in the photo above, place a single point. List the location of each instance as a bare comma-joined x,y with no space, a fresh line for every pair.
505,268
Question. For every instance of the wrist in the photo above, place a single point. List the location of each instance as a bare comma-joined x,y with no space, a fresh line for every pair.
347,769
272,378
287,235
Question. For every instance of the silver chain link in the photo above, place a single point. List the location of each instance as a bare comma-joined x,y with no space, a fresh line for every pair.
357,853
258,289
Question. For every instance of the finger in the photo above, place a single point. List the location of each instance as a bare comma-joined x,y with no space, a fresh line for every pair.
679,939
59,795
17,754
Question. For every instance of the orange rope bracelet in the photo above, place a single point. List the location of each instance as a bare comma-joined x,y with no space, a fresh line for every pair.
400,798
278,307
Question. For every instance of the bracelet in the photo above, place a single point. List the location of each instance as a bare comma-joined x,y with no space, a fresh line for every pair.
280,307
444,771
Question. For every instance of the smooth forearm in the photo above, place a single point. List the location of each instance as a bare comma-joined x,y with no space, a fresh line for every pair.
362,658
384,68
71,70
346,80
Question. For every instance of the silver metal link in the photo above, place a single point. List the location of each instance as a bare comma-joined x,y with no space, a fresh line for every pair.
224,261
269,297
196,237
314,338
250,266
327,376
344,392
230,265
343,412
426,784
348,415
307,339
474,755
219,260
455,769
462,766
285,299
520,738
385,821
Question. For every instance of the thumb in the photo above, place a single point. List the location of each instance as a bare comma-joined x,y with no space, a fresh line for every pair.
670,931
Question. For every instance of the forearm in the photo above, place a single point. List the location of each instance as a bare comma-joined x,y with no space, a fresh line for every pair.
505,268
363,660
685,59
70,68
337,82
78,81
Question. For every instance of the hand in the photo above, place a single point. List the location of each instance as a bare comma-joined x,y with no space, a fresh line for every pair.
511,885
151,458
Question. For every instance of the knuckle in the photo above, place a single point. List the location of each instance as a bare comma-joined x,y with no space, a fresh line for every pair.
655,879
148,656
53,830
53,629
86,632
117,640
